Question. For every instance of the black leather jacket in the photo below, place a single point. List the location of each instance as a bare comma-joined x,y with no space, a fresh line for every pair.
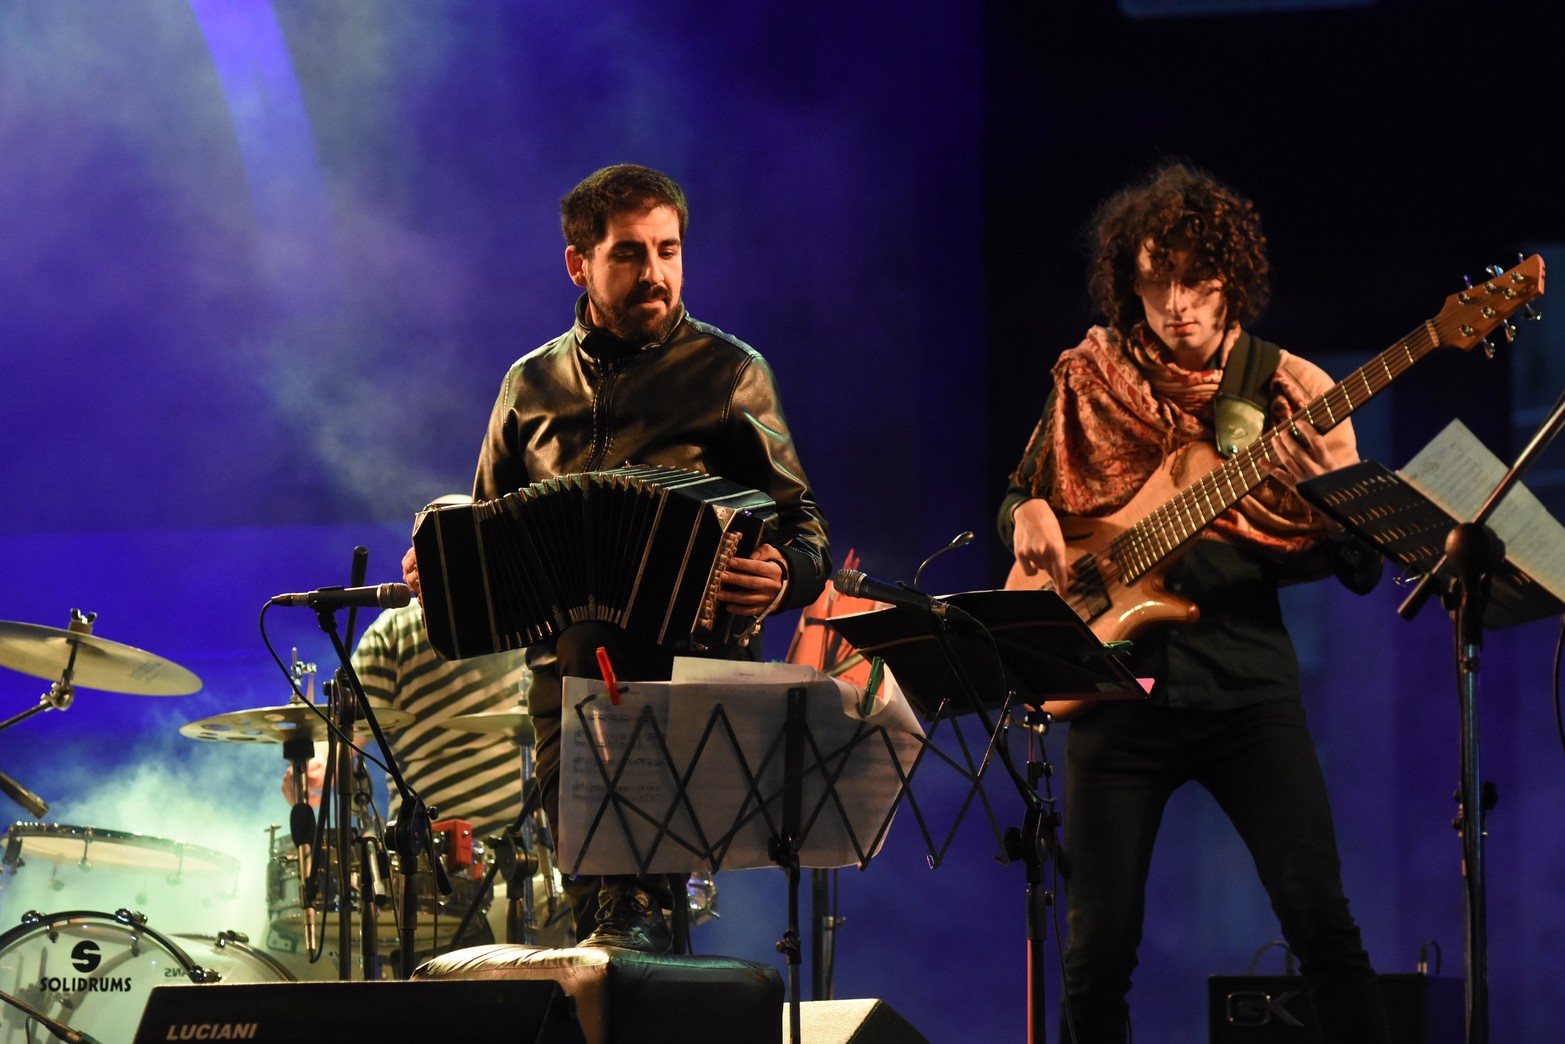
698,399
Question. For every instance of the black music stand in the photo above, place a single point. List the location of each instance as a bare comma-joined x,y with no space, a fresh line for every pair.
1001,648
1027,643
1482,589
727,774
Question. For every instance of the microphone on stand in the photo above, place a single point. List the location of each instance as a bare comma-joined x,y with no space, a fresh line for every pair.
855,584
301,829
382,596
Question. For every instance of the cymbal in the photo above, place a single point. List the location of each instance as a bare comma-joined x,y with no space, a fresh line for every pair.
280,724
43,652
511,721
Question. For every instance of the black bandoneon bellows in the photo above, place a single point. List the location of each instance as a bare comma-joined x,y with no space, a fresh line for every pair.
641,546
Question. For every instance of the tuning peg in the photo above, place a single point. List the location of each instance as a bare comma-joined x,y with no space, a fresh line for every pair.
1494,270
1488,349
1528,312
1467,281
1508,329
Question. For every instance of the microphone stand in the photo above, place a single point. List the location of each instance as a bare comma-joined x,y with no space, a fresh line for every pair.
373,871
342,700
407,836
1473,553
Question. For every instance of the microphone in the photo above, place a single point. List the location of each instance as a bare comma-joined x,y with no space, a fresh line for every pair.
383,596
855,584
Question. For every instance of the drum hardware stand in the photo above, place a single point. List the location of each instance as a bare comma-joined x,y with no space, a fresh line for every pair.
110,666
518,863
516,856
36,806
59,697
61,694
1470,573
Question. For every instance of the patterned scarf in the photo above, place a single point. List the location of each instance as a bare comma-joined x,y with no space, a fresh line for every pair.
1121,407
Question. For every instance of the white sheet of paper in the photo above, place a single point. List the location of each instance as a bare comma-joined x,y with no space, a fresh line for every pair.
1458,472
727,828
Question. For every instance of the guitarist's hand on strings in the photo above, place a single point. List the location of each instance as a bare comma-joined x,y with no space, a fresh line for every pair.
1040,546
1301,452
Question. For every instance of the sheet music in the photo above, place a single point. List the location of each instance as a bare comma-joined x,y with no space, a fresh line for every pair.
728,829
1457,472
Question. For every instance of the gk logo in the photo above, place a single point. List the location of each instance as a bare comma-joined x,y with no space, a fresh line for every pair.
1254,1008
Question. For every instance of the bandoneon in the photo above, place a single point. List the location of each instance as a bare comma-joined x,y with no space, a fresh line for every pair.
641,546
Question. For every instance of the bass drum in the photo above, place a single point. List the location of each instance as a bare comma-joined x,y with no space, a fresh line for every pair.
94,971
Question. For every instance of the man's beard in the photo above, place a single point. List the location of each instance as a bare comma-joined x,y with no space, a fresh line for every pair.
624,323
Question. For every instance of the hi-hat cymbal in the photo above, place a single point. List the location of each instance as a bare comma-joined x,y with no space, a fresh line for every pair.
44,652
280,724
510,721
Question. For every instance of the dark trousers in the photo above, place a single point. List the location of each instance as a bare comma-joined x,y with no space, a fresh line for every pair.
1259,762
576,655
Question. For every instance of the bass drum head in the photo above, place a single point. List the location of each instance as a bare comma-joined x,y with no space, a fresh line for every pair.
94,973
60,866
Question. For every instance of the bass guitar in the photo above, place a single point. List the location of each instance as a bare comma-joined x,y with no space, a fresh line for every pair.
1119,560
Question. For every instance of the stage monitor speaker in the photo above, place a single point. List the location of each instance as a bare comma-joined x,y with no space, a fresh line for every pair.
1275,1009
469,1010
852,1022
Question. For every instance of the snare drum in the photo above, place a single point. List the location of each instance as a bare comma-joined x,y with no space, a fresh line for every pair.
55,866
283,885
94,971
465,860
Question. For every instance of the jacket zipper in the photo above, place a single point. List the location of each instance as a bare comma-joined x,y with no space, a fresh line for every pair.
600,417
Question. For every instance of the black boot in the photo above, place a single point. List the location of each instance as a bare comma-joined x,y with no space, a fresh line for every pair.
631,918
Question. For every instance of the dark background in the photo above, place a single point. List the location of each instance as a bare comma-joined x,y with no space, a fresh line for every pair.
262,266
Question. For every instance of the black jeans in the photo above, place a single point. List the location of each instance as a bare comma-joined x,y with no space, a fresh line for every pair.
1259,762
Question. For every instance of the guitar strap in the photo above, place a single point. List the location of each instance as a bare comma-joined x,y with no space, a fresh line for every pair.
1240,406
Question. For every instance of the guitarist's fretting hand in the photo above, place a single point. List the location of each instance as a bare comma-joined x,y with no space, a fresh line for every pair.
1302,453
1040,546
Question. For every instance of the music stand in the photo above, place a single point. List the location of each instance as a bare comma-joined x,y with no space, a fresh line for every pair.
1001,648
1482,587
1030,643
734,764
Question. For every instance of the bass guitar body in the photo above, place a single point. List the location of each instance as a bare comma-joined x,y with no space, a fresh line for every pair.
1117,608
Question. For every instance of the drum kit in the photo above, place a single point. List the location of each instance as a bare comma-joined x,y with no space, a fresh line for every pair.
88,970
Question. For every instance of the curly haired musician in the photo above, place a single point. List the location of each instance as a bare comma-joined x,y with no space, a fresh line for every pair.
637,380
1179,266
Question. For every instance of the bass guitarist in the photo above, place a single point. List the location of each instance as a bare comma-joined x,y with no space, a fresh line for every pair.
1142,407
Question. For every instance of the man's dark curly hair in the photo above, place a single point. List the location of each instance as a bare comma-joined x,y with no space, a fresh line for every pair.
585,211
1177,207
